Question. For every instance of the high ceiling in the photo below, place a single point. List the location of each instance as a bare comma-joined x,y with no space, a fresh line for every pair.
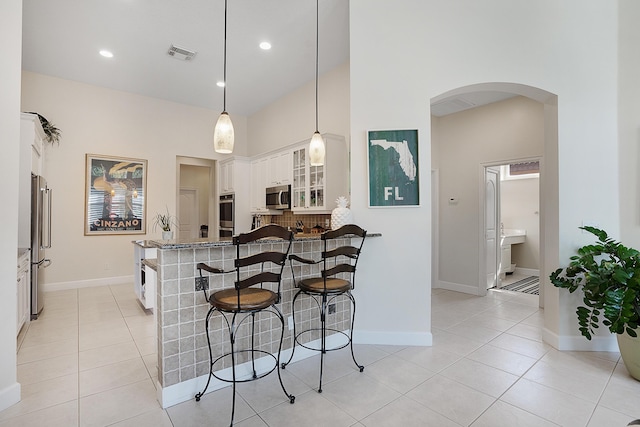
62,38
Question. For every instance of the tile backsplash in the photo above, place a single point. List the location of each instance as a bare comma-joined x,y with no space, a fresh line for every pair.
288,219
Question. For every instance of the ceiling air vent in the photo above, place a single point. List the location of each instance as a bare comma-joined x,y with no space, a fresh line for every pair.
181,53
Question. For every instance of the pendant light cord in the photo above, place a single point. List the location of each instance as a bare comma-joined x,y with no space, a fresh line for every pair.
317,44
224,73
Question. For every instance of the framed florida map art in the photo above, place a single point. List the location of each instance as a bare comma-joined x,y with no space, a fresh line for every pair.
115,195
393,168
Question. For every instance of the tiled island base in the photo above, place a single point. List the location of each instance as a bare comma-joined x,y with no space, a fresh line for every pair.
183,354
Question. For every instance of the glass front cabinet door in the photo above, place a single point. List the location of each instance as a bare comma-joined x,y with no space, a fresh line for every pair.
312,186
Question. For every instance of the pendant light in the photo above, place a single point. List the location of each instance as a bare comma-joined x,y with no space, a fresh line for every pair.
316,146
223,134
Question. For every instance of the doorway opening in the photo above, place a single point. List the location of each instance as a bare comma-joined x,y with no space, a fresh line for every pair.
195,198
493,135
512,225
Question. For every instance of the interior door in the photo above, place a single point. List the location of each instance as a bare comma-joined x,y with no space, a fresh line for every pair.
492,225
189,206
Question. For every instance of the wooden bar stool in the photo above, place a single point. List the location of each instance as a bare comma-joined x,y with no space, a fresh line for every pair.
337,278
245,301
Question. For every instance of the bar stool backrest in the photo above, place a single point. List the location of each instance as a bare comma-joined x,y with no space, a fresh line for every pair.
250,269
341,259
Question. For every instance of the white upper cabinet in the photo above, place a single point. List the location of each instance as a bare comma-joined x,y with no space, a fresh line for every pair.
31,162
280,168
315,188
233,175
32,141
259,182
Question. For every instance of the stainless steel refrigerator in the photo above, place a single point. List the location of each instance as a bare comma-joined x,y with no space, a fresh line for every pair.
40,239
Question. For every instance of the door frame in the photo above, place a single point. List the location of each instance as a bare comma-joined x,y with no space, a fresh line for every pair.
213,187
482,282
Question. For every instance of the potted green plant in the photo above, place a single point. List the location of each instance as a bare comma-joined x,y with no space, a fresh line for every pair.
51,131
165,222
608,274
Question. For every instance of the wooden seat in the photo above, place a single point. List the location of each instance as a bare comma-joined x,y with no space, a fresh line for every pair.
248,298
336,278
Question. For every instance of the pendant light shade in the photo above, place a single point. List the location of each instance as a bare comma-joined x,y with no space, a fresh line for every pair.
316,150
223,134
316,146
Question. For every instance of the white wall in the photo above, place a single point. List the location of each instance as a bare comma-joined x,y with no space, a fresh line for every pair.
405,53
520,208
629,122
103,121
292,118
507,130
11,33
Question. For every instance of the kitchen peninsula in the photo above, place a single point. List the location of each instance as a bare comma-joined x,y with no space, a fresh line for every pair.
180,309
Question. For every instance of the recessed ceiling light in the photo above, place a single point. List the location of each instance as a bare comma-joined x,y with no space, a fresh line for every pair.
106,53
265,45
220,84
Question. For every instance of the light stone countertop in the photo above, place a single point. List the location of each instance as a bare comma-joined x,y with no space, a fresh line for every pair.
210,243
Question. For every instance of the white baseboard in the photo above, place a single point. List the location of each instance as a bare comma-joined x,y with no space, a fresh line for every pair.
527,271
186,390
579,343
9,396
457,287
88,283
393,338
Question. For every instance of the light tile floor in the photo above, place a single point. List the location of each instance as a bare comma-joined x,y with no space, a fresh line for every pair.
90,361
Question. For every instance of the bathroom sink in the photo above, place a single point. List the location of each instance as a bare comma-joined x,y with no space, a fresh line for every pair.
512,236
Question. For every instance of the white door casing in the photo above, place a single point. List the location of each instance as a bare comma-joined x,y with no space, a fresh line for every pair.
491,229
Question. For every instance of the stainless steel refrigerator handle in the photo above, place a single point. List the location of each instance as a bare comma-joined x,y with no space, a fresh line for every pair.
48,190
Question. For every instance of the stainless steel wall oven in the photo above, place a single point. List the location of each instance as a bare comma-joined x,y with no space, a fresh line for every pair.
227,216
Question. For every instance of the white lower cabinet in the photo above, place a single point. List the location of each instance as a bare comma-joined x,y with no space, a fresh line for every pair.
144,283
23,285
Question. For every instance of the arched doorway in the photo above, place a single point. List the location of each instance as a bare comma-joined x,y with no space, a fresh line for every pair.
457,227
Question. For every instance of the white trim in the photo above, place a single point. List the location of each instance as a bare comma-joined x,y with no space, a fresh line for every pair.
393,338
467,289
88,283
579,343
186,390
9,396
435,226
527,271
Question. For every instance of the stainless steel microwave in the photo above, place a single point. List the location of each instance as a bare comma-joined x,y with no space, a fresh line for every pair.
279,197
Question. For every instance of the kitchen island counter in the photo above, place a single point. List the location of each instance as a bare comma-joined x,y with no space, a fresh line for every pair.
183,354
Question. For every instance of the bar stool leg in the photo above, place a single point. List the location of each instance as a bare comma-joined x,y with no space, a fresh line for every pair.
253,335
206,326
291,397
323,337
232,336
295,338
353,319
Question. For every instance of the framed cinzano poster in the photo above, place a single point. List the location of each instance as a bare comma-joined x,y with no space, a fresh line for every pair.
393,168
115,190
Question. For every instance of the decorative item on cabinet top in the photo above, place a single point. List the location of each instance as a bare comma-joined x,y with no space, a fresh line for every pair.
51,131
